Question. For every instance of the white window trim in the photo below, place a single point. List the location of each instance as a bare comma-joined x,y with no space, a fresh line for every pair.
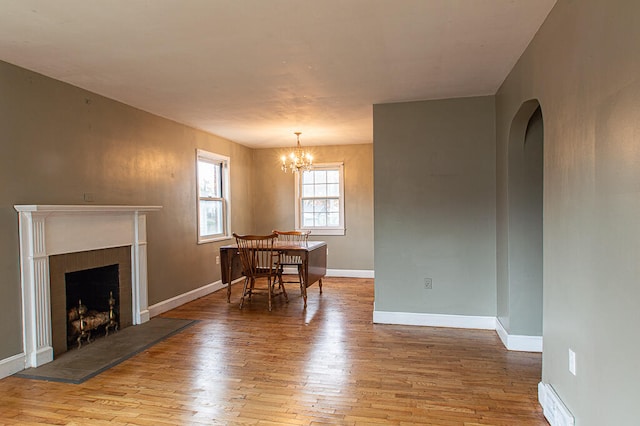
226,192
339,230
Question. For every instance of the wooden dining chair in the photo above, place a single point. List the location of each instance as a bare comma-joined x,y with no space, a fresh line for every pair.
259,260
290,259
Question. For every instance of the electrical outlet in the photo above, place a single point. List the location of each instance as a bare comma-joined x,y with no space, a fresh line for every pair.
428,283
572,362
217,260
88,197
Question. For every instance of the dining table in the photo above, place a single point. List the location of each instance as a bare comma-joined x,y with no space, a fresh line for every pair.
313,255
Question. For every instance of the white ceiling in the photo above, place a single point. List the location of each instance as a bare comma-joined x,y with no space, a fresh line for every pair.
255,71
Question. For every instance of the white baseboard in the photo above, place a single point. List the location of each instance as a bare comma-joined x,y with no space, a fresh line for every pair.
434,320
11,365
344,273
556,413
511,342
181,299
350,273
145,316
518,343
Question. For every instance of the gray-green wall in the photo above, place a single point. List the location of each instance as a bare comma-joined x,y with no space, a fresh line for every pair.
583,67
434,206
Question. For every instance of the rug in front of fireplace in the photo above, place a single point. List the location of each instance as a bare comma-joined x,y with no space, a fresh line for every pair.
79,365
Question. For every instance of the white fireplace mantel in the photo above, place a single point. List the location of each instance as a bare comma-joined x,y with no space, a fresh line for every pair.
47,230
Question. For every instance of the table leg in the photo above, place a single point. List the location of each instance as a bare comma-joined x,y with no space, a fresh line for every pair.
305,275
229,283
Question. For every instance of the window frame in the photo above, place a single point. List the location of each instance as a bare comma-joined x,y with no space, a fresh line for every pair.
320,230
225,172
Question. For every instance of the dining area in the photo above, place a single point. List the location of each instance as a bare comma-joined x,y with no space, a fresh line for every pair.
270,262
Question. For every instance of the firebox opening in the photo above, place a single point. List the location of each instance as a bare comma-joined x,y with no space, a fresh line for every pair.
92,302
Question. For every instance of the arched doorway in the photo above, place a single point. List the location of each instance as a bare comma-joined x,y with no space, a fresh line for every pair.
525,199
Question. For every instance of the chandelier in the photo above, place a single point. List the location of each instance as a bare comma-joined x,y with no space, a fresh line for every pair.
297,159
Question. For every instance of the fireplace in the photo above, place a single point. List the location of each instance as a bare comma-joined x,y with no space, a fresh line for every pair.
89,276
57,240
92,310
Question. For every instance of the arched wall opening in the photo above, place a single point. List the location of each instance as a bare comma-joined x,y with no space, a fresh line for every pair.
525,223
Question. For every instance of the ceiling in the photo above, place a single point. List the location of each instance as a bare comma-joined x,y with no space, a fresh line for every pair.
255,71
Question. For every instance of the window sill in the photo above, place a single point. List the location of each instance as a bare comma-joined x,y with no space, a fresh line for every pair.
341,231
213,239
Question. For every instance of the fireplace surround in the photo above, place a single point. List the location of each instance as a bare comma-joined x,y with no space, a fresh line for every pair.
48,230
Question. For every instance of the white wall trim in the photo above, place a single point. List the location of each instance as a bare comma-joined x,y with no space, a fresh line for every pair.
518,342
556,413
12,365
434,320
187,297
511,342
350,273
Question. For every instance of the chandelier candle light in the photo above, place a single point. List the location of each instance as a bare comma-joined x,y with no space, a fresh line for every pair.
297,159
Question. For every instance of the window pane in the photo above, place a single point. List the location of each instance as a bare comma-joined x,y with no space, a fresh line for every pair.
320,176
334,206
209,179
307,219
320,219
307,177
307,190
307,206
321,190
333,190
211,219
333,176
320,206
333,219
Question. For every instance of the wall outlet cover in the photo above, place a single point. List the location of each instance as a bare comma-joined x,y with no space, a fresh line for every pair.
428,283
572,362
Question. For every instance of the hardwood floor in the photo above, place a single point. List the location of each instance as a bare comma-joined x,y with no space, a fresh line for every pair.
327,365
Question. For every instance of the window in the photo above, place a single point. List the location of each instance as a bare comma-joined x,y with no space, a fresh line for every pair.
213,197
320,199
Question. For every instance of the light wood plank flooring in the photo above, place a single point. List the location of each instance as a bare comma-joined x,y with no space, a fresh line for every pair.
327,365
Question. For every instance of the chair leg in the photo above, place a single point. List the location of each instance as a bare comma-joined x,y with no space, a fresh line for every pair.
280,270
244,291
272,289
251,287
279,276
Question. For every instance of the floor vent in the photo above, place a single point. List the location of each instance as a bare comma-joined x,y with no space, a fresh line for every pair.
555,411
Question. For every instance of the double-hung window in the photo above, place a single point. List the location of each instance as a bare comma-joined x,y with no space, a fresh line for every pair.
213,196
320,199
